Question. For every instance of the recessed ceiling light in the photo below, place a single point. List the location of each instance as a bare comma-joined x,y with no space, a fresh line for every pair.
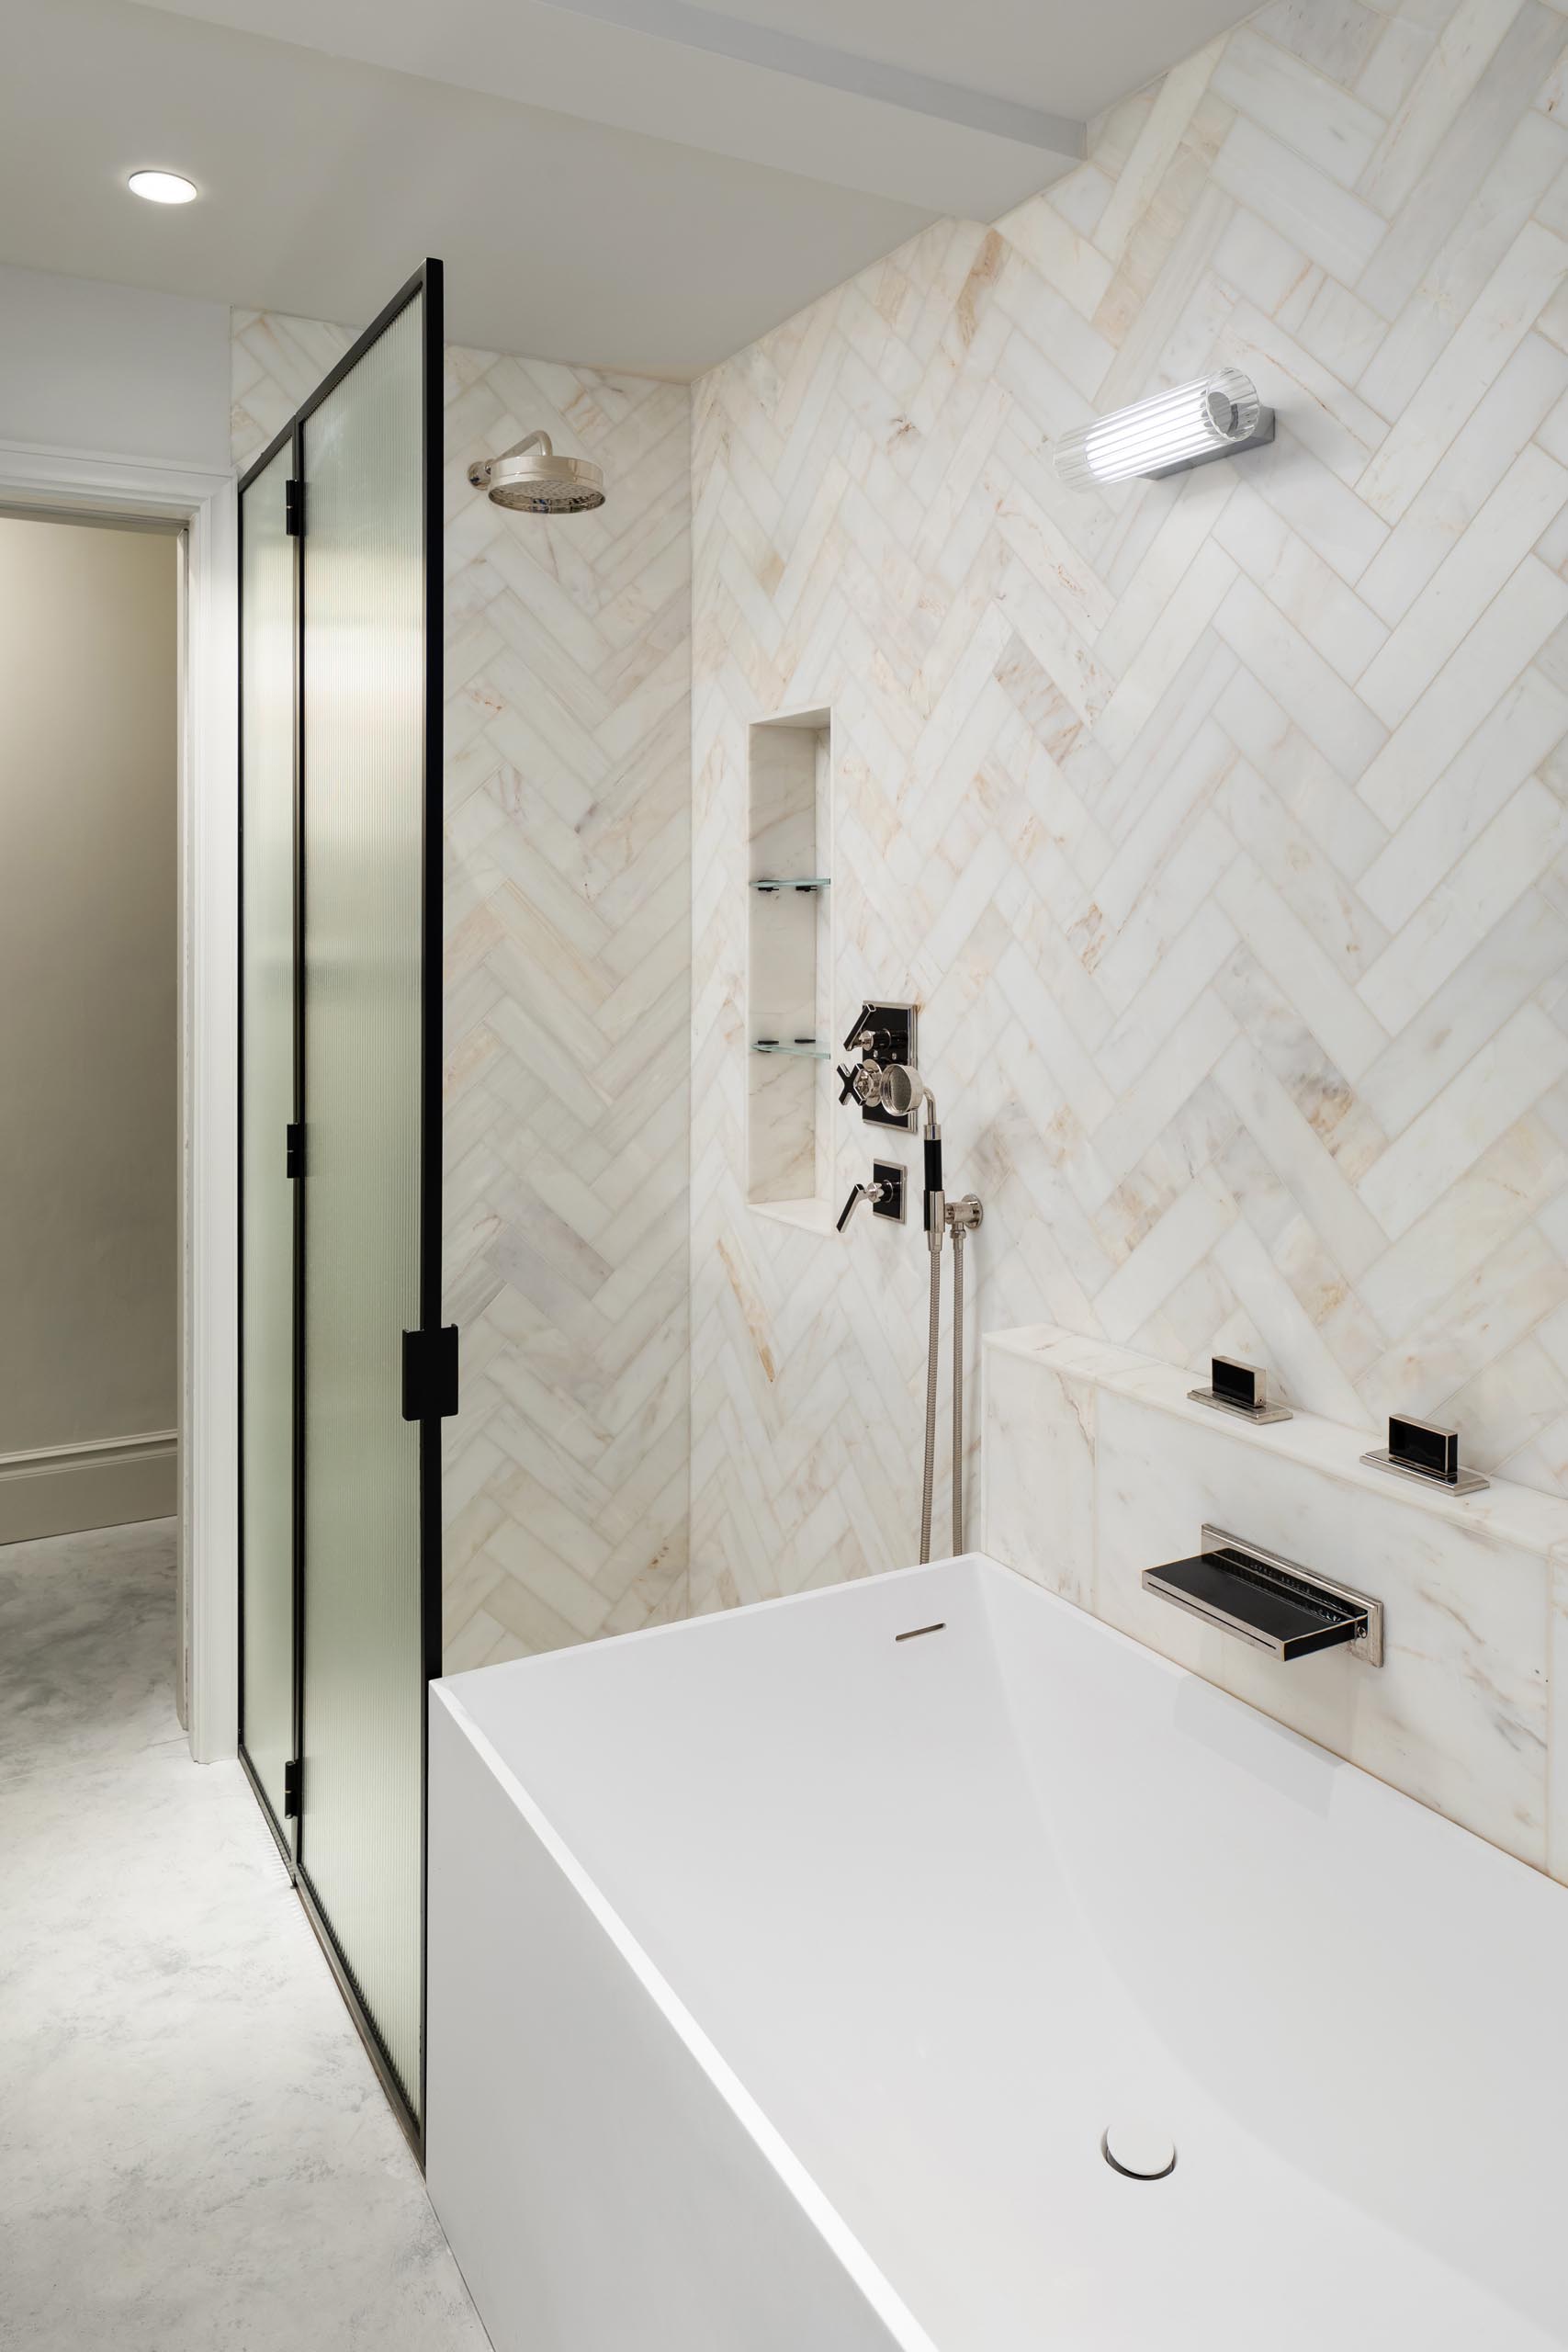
162,188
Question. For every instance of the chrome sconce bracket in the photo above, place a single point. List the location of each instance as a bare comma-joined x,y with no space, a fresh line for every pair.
1258,438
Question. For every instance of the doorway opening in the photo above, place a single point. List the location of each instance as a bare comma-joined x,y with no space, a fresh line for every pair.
90,1038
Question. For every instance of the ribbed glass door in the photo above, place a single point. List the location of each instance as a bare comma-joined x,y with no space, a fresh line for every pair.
267,810
361,1846
343,1368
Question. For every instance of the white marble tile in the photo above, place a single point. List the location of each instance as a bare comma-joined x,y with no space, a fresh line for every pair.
1279,90
1389,75
1517,848
1178,1241
1458,1717
1300,681
1353,1237
1467,37
1303,203
1520,955
198,2152
1305,973
1338,37
1517,736
1493,328
1327,808
1529,607
1169,118
1128,706
1493,168
1557,1781
1525,502
1259,263
1340,329
1084,195
1323,511
1116,833
1444,1141
1284,1317
1462,1231
1309,591
1037,1508
1521,402
1326,416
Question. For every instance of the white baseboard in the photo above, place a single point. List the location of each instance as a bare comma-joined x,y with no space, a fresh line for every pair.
108,1482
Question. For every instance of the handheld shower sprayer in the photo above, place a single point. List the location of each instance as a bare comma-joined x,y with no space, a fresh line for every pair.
901,1091
885,1084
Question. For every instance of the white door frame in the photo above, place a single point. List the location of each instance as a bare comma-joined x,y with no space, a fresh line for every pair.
205,504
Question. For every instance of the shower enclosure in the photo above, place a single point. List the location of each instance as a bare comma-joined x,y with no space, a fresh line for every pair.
345,1371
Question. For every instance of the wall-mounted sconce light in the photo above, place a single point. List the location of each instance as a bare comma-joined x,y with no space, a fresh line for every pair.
1215,417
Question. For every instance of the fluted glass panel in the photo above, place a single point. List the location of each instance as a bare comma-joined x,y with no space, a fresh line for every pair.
266,1107
362,745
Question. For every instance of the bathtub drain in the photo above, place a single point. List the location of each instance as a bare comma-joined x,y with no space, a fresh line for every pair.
1139,2151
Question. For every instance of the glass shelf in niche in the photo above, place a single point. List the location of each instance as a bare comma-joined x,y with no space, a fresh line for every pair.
791,882
804,1048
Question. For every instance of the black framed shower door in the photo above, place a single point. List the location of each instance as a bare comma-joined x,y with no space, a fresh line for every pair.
344,1370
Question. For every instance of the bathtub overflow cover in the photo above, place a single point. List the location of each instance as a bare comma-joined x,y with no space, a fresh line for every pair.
1138,2149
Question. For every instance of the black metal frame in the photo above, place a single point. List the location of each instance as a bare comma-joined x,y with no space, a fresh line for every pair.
288,438
427,281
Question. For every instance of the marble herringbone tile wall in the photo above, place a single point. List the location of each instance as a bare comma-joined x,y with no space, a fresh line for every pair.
1218,825
568,995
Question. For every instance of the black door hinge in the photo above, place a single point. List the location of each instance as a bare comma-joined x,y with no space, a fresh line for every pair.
430,1375
293,1149
292,1778
294,509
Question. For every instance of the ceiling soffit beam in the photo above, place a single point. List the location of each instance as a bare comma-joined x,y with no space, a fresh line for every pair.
848,122
834,69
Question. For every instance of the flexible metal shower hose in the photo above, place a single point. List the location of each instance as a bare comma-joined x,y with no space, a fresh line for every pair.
957,1388
928,1479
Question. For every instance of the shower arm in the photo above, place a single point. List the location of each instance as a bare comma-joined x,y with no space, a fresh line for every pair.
482,471
529,441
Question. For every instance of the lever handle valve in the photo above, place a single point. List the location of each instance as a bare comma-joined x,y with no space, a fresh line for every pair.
871,1192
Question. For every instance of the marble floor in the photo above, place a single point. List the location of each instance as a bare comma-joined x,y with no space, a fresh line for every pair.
194,2153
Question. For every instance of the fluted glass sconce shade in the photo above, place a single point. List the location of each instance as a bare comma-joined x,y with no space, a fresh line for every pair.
1212,418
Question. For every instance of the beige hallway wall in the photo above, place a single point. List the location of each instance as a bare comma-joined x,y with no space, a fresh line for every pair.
88,1037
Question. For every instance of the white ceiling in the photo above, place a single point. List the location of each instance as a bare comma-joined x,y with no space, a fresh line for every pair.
644,184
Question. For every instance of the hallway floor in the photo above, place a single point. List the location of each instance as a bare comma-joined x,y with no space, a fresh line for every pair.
195,2156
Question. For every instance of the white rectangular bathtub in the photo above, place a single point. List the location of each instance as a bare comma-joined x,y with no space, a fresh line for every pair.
785,1975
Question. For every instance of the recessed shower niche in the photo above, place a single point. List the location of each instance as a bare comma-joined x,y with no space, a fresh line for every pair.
789,1008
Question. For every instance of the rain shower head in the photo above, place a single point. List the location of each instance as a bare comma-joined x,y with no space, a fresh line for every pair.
532,479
